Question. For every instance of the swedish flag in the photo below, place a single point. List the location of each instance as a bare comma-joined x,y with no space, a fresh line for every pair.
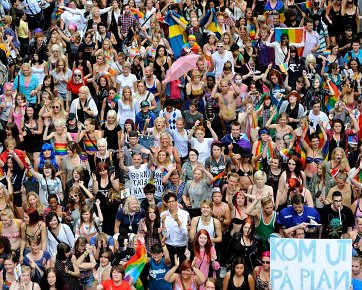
213,26
177,35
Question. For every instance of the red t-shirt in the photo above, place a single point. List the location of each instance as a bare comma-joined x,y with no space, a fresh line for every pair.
109,285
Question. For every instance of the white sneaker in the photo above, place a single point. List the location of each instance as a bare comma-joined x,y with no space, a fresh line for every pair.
223,271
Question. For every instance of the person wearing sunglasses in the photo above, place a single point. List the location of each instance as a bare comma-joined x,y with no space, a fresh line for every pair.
75,83
261,274
220,57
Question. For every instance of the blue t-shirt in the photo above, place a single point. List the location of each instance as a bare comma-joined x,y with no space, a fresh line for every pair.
357,284
349,55
127,220
37,276
288,218
93,241
157,273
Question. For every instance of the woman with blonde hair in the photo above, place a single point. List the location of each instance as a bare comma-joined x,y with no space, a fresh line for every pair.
162,165
127,106
136,48
57,112
102,68
195,89
25,282
88,226
55,38
56,52
27,84
339,162
126,79
84,103
33,201
259,188
112,131
129,216
61,74
108,51
158,128
227,39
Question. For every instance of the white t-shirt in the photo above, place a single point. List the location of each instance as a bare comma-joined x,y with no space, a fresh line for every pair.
126,81
69,18
138,178
204,148
219,62
314,119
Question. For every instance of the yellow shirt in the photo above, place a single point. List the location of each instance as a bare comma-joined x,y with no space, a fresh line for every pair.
22,30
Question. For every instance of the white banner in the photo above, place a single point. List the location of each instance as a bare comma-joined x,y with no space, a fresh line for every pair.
310,264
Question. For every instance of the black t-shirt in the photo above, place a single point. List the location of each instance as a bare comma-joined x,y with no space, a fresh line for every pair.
332,228
87,50
111,136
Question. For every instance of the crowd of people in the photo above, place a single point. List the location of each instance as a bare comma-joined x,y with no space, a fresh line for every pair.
102,150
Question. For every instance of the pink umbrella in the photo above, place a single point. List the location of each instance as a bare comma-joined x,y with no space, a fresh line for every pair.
181,66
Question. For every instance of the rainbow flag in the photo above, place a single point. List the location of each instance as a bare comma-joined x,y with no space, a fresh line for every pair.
213,26
296,35
135,265
137,14
283,67
305,5
59,12
218,178
285,153
300,150
177,35
332,99
325,149
259,149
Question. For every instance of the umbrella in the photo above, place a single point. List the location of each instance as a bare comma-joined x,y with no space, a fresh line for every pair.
181,66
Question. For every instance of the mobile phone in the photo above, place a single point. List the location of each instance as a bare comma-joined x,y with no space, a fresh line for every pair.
318,194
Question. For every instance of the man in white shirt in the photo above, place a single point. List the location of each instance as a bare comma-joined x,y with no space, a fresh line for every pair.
316,115
220,57
174,227
311,43
70,18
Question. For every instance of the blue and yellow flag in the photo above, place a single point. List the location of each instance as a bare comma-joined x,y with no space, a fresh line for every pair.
177,35
213,26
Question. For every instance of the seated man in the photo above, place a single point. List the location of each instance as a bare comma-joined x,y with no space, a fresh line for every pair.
297,214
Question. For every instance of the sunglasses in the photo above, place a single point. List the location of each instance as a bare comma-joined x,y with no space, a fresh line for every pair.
265,262
73,196
77,75
55,107
220,46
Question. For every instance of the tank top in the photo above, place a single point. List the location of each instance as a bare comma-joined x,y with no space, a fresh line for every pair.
264,230
357,212
178,285
152,89
6,283
210,228
244,286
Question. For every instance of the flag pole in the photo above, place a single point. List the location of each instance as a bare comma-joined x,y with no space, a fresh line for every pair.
296,5
148,18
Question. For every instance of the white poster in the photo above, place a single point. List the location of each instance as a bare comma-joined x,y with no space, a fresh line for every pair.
310,264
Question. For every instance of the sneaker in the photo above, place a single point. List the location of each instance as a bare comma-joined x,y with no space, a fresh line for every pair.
223,271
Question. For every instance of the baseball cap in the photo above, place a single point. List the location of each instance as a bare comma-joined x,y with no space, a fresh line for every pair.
145,104
71,116
133,133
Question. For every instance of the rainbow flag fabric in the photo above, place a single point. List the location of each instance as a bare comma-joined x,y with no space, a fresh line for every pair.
333,98
60,149
137,14
177,35
305,5
296,35
213,26
283,67
59,12
135,265
325,149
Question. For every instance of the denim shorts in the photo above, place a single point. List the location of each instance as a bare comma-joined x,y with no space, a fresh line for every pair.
87,281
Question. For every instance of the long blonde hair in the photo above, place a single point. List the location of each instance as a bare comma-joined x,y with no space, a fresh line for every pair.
39,206
130,95
344,162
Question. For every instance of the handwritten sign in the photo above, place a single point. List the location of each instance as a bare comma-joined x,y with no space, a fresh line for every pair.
310,264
